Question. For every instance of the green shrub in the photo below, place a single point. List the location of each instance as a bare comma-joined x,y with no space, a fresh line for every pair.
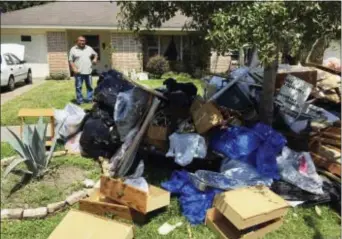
157,66
58,76
198,73
169,74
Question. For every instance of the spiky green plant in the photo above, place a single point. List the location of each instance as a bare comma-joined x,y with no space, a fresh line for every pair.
31,149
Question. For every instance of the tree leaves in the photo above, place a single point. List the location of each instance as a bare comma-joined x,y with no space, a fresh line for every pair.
230,25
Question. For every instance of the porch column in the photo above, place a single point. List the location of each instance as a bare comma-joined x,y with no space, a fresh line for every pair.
181,47
57,52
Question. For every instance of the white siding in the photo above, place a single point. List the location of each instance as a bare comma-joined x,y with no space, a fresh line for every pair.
35,52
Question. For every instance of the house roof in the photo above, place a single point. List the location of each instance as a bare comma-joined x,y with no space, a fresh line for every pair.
69,15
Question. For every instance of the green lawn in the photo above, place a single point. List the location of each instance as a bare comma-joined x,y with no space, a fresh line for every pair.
300,223
55,94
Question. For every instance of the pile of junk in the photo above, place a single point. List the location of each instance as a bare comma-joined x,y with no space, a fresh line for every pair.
217,149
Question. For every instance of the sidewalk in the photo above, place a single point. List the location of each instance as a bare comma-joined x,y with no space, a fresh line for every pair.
21,89
16,130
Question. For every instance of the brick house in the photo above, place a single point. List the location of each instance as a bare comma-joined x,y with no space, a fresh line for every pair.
48,31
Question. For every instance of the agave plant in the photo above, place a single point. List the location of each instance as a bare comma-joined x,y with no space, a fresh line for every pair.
31,149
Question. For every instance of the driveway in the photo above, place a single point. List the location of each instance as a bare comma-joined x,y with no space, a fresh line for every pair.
19,90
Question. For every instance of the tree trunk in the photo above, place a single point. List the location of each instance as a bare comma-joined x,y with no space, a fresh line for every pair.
241,57
266,101
254,61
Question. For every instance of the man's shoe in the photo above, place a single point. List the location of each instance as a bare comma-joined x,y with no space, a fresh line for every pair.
79,103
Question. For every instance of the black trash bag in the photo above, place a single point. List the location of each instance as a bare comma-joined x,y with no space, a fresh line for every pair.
97,140
129,109
293,193
108,87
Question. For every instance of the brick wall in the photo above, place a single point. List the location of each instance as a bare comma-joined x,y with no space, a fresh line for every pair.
219,64
127,54
57,52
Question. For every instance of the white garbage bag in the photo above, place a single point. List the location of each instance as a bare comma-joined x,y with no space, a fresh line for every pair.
185,147
139,183
71,117
73,145
298,169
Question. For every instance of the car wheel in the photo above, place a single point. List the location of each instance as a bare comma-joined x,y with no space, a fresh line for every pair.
11,83
28,80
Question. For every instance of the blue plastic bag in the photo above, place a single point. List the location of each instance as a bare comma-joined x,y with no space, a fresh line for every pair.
258,146
194,203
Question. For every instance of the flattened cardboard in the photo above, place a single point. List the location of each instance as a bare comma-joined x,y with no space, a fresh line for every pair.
249,206
205,115
82,225
102,206
132,197
226,230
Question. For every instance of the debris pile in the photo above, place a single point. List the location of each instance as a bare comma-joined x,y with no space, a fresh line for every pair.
128,119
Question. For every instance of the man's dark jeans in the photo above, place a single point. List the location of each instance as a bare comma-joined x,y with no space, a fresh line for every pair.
79,78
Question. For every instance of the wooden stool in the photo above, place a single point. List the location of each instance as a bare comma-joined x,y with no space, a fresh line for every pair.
25,112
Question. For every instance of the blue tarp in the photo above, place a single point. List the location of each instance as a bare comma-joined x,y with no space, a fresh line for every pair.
258,146
194,203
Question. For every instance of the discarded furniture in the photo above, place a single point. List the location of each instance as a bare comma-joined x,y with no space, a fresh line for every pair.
100,205
28,112
130,196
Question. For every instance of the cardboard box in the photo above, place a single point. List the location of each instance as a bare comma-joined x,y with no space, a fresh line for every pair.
82,225
132,197
249,206
98,204
157,136
205,115
226,230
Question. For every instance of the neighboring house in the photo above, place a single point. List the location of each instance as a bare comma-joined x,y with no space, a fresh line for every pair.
48,31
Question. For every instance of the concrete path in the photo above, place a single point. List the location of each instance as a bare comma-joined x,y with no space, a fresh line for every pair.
20,89
16,129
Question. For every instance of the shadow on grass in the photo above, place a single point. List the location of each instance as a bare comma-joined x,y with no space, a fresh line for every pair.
311,223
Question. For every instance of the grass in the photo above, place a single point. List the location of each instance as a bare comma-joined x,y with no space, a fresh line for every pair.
6,150
299,223
65,176
56,94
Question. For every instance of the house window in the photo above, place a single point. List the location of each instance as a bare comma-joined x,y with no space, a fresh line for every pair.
94,42
152,46
25,38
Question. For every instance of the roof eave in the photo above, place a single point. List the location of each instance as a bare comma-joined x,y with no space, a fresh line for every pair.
88,27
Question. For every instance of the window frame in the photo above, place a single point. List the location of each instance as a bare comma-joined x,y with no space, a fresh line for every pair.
15,58
9,59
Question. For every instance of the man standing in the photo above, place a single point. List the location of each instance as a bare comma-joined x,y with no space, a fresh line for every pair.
82,58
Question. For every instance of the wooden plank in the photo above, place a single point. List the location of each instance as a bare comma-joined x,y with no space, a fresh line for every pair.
132,197
105,207
27,112
331,166
125,194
